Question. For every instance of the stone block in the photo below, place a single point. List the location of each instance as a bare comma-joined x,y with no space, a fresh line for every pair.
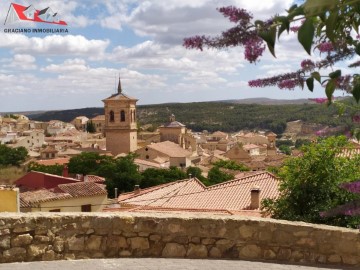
125,253
173,250
4,232
269,254
5,242
208,241
284,254
49,255
21,240
76,243
36,250
93,242
139,243
334,258
42,238
247,232
58,245
23,229
197,251
15,254
215,253
155,237
250,252
350,260
116,242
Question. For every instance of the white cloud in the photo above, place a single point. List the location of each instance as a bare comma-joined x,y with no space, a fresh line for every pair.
22,62
55,45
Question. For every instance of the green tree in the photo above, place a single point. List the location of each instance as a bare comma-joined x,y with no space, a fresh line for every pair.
51,169
300,142
216,176
285,149
121,173
153,177
90,127
196,172
310,184
12,156
87,163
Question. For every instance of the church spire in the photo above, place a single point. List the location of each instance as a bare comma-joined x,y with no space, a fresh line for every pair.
119,86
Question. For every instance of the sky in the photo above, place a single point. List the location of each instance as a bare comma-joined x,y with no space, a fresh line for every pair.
140,41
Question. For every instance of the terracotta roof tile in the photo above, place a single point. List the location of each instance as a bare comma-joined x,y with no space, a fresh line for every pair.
94,179
232,195
59,161
170,149
30,198
83,189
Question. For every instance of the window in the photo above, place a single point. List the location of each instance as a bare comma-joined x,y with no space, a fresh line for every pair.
86,208
131,114
54,210
134,117
147,156
122,116
111,115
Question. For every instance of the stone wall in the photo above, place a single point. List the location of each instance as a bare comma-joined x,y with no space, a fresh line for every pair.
50,236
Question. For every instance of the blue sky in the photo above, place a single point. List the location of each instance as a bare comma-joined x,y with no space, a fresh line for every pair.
141,41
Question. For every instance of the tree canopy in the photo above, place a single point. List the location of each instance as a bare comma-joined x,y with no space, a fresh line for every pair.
309,184
12,156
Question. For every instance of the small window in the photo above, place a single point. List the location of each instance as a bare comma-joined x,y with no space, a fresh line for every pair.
146,149
122,116
54,210
86,208
111,115
147,157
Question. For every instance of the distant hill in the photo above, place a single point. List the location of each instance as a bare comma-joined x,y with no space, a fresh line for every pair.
269,101
228,116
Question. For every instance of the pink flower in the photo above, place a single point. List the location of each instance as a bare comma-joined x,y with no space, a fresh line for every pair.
320,100
325,47
307,65
253,49
356,118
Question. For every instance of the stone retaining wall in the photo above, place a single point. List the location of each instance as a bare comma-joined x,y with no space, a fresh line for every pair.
50,236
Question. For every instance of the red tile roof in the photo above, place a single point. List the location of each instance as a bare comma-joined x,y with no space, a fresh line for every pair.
83,189
59,161
94,179
234,195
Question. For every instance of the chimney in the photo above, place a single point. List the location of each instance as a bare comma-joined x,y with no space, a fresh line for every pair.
255,197
136,189
65,172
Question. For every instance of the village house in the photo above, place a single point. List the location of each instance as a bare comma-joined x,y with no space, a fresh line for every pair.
99,123
165,152
80,122
75,197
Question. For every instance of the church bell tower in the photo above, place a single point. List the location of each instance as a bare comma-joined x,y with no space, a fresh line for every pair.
120,123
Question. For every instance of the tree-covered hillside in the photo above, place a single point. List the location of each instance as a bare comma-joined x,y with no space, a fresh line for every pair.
214,116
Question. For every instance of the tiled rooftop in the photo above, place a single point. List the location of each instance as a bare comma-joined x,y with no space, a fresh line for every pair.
234,195
170,149
83,189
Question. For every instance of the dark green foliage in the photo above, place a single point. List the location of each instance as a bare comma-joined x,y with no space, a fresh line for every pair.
51,169
120,173
12,156
216,176
285,149
196,172
90,127
224,116
278,143
310,184
88,163
152,177
301,142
